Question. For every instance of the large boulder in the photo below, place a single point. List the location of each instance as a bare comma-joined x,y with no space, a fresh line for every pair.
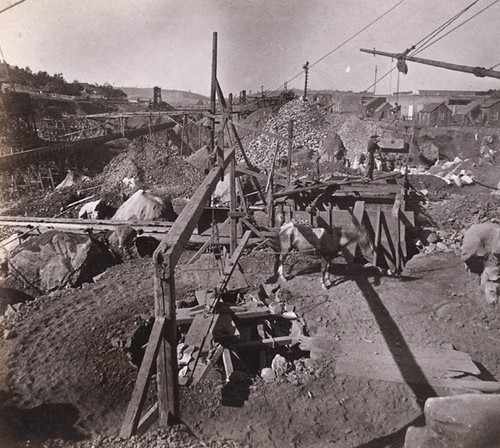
55,260
122,242
96,210
143,206
481,242
332,148
465,421
481,253
72,178
460,421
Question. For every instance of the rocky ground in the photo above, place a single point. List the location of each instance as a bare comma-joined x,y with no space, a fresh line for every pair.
66,374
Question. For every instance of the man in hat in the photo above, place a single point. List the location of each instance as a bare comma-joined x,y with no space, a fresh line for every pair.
371,149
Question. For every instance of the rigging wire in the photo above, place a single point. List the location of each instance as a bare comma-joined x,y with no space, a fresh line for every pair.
434,33
11,6
453,29
427,41
339,46
380,79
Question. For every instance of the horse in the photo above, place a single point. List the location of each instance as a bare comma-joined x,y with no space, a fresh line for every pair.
323,241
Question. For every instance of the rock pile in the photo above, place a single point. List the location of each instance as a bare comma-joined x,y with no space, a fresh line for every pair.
308,132
151,164
56,260
354,132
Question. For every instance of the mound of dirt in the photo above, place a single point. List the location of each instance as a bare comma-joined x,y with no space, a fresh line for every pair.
152,164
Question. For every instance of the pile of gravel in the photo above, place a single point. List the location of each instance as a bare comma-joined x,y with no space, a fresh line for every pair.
308,132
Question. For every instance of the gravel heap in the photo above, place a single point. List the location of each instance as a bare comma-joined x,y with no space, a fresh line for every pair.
354,132
154,165
176,437
308,132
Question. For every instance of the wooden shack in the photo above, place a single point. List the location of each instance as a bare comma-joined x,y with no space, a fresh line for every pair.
491,112
435,114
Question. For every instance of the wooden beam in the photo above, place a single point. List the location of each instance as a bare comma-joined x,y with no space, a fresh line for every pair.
232,205
136,403
253,229
201,374
165,259
378,233
268,342
202,249
149,418
176,239
397,204
228,363
358,213
240,170
233,262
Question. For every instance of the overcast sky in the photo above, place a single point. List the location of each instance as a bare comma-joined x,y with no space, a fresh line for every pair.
261,42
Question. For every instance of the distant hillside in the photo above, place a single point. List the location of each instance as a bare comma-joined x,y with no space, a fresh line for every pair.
169,96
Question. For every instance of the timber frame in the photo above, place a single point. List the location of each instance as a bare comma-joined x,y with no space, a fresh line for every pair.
162,345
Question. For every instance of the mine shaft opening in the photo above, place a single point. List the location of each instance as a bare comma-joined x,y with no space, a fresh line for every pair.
248,358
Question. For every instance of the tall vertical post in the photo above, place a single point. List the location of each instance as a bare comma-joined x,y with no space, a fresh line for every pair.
232,205
290,148
213,91
397,99
375,83
166,361
232,191
306,69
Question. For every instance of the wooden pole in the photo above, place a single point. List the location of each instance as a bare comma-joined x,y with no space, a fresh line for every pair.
166,361
232,205
165,259
213,92
290,148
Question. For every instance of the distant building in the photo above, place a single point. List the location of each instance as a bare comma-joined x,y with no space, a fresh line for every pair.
412,103
490,111
383,112
470,115
435,114
370,104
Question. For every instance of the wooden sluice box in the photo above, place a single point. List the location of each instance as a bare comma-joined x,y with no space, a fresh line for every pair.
379,211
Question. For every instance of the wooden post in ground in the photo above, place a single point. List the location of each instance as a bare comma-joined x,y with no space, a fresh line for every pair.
165,259
166,361
290,148
213,92
232,205
378,235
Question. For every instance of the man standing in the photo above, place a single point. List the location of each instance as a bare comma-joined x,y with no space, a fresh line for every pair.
371,148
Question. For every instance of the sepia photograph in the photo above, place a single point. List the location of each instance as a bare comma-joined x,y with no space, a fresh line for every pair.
249,224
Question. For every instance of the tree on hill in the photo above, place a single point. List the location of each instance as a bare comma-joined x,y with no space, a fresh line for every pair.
56,83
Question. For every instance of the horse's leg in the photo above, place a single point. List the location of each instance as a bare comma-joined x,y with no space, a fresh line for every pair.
281,265
325,272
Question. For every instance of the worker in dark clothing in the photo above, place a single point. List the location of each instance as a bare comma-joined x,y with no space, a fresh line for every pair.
371,149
